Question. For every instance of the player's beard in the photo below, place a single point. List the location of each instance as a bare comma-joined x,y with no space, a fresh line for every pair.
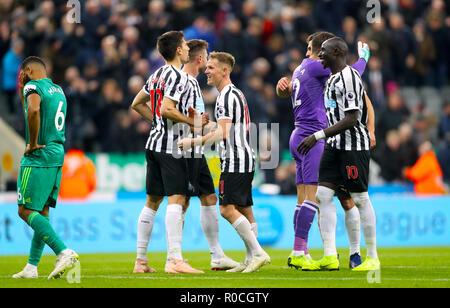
26,79
202,69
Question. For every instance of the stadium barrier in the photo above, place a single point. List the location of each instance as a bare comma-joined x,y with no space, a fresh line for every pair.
109,225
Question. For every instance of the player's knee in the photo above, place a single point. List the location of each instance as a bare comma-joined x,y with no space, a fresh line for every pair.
23,213
20,211
212,199
324,195
226,211
153,202
209,200
361,199
347,203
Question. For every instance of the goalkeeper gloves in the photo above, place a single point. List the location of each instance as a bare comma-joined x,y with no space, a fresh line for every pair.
363,51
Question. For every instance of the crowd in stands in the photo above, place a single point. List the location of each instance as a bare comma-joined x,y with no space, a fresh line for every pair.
103,61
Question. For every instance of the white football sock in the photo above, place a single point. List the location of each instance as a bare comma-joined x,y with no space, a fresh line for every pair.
352,225
174,231
368,222
144,231
30,267
209,221
248,255
244,229
328,219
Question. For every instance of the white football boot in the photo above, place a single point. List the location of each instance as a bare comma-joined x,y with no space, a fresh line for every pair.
256,263
65,260
224,263
29,271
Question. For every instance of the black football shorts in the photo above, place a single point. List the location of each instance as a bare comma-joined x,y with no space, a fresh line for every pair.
347,168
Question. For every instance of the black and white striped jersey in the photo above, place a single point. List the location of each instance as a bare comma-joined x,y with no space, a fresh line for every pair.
235,153
192,98
344,91
167,81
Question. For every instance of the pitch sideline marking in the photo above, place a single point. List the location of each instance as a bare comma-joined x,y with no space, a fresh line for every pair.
241,278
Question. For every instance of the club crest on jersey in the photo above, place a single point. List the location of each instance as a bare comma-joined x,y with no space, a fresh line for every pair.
180,88
350,96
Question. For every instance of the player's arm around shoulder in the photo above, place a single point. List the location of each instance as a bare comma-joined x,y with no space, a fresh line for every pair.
139,105
284,87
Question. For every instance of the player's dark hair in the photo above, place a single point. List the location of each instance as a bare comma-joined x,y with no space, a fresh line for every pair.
195,47
317,40
32,59
168,43
340,45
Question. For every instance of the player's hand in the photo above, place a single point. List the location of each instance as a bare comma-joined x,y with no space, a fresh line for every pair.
192,112
373,140
306,145
205,119
185,144
283,84
21,80
284,87
363,51
30,148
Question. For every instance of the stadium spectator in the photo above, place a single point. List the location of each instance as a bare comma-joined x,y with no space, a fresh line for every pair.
183,14
155,22
375,82
202,29
439,33
391,169
444,143
426,53
78,178
403,52
252,39
285,178
393,114
350,33
5,37
444,123
426,172
379,40
10,68
408,147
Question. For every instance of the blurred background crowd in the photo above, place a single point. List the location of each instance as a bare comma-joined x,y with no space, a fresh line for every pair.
103,62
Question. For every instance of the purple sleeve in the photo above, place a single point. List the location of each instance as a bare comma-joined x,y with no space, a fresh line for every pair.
360,66
316,70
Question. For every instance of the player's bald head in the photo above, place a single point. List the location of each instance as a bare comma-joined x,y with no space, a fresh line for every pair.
337,46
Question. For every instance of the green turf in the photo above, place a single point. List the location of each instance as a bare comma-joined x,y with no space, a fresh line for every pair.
411,267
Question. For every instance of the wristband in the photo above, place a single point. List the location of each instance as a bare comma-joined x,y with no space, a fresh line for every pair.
320,135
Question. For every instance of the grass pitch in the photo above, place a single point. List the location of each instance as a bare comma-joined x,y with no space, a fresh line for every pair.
400,268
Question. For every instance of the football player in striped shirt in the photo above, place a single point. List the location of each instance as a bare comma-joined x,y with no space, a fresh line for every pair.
166,168
346,155
199,174
237,158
